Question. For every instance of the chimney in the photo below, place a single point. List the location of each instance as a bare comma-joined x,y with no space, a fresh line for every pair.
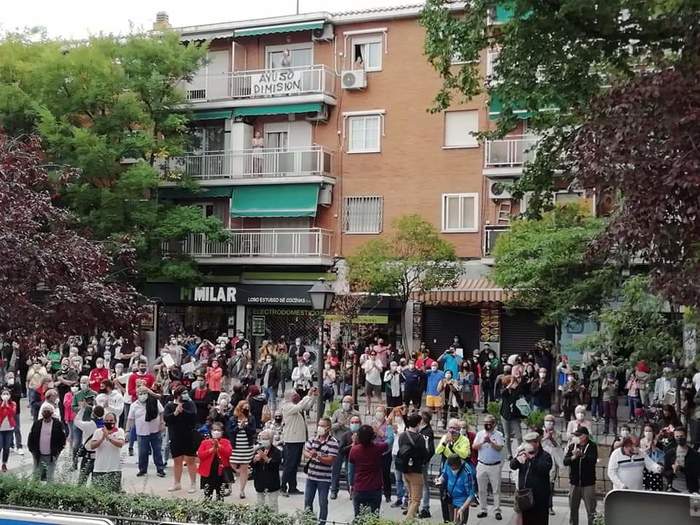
162,22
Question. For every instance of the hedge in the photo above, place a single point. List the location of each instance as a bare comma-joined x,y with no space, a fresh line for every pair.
24,492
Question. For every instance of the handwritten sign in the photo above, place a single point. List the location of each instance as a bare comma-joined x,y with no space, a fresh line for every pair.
276,82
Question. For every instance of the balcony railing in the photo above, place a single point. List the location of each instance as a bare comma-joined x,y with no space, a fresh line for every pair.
251,163
263,83
491,234
263,243
510,152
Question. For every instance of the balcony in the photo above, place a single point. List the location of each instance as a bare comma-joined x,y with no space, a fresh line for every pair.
491,234
249,166
505,157
315,83
300,246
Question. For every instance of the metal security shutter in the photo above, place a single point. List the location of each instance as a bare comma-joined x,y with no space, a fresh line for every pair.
440,325
520,331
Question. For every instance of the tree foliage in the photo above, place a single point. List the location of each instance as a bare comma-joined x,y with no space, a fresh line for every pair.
111,108
638,326
544,263
55,281
412,259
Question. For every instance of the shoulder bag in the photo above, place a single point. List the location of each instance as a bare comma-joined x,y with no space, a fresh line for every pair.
524,497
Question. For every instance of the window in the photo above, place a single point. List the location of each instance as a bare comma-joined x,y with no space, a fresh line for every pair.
459,212
363,214
364,133
458,128
367,52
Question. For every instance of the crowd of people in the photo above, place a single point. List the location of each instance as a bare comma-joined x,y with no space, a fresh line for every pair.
227,413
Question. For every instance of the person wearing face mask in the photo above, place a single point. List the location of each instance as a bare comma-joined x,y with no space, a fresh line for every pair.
384,433
240,430
34,378
433,395
8,412
146,415
340,420
98,374
294,436
609,388
533,464
450,390
266,471
106,444
45,443
110,398
214,455
458,483
625,432
302,376
626,466
367,482
570,397
269,381
411,457
512,390
682,465
275,427
180,416
581,457
321,452
662,386
449,360
345,442
214,378
579,421
392,385
258,406
373,379
247,378
489,443
66,377
142,374
413,380
594,388
552,445
652,448
541,391
15,389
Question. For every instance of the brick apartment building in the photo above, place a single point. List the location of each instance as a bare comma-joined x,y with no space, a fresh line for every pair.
311,135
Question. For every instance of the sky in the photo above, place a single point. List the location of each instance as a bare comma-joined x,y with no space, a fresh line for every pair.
76,19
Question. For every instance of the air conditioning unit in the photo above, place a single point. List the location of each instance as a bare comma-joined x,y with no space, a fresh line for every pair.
324,33
325,195
500,189
354,79
318,116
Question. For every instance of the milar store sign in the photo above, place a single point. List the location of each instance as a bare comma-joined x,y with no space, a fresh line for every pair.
263,295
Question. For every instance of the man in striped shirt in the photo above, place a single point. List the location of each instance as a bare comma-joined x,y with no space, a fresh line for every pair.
320,452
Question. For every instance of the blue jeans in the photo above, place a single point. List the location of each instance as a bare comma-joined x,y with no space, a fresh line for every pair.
425,502
367,499
400,485
633,403
338,465
76,440
132,438
310,493
5,444
596,407
152,443
271,396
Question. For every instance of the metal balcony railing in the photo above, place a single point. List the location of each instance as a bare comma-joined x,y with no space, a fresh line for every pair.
510,152
250,163
491,234
274,242
263,83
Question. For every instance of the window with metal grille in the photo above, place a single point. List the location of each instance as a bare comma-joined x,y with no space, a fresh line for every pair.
363,214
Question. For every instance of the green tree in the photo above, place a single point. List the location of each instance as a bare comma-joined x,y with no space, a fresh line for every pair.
554,58
111,108
544,264
410,260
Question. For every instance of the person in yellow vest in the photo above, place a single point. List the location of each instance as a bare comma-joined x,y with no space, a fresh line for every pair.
453,443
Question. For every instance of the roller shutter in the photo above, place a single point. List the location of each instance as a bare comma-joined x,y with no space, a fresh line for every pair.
520,331
440,325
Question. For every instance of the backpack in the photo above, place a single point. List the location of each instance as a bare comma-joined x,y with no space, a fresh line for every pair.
405,457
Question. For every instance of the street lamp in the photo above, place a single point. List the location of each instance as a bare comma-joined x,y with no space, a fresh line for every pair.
321,300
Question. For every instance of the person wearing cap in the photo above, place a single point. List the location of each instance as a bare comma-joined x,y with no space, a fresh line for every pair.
626,466
581,457
533,465
489,445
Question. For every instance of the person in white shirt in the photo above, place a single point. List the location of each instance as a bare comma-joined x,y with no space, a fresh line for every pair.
301,376
578,421
626,466
111,399
146,415
106,443
373,379
489,444
51,398
662,386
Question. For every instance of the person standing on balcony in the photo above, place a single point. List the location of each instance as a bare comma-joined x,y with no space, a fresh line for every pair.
258,143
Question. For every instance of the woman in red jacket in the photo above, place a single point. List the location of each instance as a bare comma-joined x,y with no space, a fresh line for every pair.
8,410
98,375
214,377
214,470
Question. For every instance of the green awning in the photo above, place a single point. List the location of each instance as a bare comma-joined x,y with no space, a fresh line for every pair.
496,107
283,109
279,28
504,12
213,115
202,192
275,200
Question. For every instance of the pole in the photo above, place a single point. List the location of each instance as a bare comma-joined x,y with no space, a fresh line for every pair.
319,370
297,6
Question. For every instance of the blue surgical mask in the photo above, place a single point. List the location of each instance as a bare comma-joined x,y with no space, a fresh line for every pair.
354,427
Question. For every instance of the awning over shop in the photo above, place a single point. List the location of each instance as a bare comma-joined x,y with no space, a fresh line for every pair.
279,28
281,109
202,192
213,115
284,200
466,291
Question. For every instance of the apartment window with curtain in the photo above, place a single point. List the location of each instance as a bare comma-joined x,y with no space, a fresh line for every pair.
363,214
459,126
367,52
364,133
460,212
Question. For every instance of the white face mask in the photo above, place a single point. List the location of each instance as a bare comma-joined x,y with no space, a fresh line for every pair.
216,434
6,397
543,375
624,433
379,416
433,368
579,416
549,424
74,389
649,436
576,440
321,431
265,443
346,406
143,398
